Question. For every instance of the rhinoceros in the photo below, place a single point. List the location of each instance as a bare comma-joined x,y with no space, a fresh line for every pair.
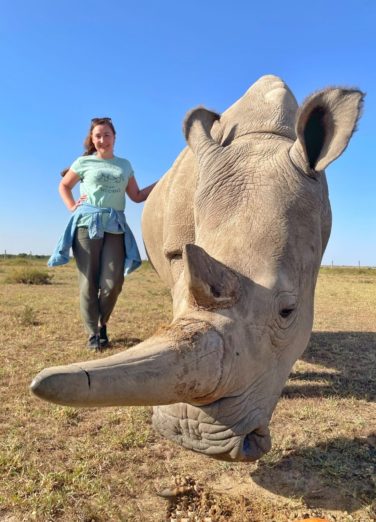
237,229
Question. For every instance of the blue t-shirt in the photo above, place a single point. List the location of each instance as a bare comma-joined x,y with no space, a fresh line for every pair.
103,181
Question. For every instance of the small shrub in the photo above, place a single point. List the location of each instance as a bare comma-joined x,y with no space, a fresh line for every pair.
30,276
28,317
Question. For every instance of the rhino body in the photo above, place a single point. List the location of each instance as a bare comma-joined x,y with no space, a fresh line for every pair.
237,229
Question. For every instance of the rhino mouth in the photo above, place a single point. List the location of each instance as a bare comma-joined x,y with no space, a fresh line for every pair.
256,444
191,427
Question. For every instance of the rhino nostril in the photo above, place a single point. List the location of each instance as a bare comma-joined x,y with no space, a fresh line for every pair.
256,443
246,445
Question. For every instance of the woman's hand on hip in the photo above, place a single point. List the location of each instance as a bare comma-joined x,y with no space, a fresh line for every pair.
80,200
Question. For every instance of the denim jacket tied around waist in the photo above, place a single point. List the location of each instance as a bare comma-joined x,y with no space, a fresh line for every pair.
116,224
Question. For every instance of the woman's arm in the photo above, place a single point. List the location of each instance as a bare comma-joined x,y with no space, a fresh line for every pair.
65,190
135,194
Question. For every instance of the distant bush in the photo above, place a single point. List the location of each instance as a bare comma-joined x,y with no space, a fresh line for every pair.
29,276
16,261
22,259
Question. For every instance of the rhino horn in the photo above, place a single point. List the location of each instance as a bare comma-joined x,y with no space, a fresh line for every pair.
210,283
183,365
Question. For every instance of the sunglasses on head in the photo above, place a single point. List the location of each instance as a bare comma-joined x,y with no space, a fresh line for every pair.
95,120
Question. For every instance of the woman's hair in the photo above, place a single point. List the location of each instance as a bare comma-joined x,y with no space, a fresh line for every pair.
88,142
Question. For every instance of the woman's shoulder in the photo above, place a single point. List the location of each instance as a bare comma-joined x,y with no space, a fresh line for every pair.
121,159
124,163
82,164
82,159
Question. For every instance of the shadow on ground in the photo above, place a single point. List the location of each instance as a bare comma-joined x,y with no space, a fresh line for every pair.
125,342
339,474
350,358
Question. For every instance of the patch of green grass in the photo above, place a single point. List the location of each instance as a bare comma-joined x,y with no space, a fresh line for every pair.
60,489
67,414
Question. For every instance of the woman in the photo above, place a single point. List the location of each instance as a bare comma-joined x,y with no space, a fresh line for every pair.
98,240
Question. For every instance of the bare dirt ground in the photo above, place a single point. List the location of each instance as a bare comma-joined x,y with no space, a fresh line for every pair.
66,464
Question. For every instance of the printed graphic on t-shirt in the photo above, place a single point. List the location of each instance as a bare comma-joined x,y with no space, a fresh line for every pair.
109,181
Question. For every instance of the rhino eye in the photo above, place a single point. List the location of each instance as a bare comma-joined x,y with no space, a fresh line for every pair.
286,312
174,255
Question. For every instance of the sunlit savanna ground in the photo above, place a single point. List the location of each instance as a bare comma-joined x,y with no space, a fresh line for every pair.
65,464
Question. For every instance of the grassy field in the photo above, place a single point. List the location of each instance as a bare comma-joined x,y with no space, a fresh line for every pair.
66,464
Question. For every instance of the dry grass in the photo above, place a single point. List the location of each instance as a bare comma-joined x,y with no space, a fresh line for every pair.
29,276
67,464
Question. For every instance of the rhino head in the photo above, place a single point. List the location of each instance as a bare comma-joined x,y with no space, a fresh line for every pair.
241,255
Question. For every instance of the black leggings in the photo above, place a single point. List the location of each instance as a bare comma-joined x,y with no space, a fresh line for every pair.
100,264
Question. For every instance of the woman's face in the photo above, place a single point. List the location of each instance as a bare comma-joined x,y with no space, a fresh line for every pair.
103,139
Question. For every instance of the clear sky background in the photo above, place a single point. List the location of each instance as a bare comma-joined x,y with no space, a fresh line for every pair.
145,64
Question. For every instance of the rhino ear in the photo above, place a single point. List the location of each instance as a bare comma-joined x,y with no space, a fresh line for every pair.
325,123
196,128
210,283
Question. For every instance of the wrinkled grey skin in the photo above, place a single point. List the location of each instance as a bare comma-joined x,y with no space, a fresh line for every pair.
237,229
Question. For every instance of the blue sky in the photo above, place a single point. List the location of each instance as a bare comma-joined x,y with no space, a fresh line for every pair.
145,64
